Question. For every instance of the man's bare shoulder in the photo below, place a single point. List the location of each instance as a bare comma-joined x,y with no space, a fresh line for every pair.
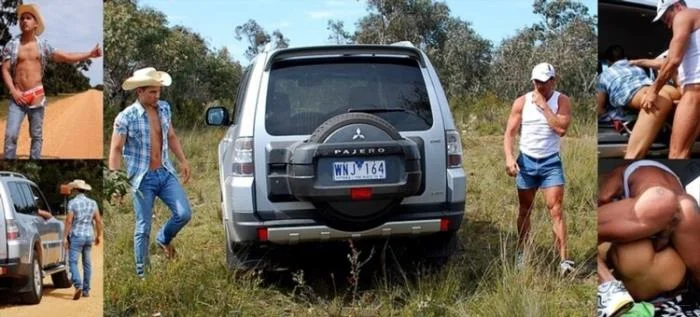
563,98
520,101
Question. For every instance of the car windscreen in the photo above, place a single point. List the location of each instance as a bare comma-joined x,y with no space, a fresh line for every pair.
304,93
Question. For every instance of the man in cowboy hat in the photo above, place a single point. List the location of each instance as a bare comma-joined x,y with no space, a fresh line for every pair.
24,60
82,215
143,134
543,116
683,58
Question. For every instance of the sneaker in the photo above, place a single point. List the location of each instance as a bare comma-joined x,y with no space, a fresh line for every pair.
613,299
566,267
77,294
520,260
86,294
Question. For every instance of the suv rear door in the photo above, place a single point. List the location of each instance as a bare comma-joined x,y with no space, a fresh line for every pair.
298,93
3,232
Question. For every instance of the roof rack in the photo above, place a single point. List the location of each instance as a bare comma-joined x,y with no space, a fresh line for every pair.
12,174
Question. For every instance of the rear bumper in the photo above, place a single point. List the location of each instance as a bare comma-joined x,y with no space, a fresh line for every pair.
304,227
13,274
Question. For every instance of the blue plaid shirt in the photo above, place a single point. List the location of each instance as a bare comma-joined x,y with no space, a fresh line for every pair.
83,209
620,82
133,122
11,51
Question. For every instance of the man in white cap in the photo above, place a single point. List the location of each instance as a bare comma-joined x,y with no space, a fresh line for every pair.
143,134
683,58
24,60
543,116
82,215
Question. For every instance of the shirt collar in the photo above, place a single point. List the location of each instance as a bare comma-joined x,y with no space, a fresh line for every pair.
141,109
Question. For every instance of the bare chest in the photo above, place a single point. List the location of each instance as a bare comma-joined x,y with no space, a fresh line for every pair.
28,52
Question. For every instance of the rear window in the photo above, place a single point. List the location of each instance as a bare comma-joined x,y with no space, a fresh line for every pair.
302,94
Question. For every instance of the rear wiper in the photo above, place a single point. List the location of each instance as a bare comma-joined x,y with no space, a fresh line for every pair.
378,110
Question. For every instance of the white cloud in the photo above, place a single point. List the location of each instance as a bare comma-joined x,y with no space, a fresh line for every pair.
321,14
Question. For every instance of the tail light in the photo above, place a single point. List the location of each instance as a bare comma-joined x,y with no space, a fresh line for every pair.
362,193
12,229
454,149
262,234
243,157
444,224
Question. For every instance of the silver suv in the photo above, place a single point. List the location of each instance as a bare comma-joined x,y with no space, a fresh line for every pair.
30,246
339,142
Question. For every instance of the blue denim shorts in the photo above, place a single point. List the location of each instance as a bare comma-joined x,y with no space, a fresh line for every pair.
539,173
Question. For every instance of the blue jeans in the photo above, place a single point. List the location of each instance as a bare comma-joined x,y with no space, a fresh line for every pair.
539,173
15,116
164,185
80,246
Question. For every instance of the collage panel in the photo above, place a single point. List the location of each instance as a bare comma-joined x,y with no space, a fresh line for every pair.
52,79
51,250
648,252
643,98
648,145
315,158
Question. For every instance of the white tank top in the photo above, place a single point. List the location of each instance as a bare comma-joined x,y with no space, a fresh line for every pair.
537,139
689,70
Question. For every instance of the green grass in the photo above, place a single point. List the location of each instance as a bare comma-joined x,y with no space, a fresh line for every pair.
480,281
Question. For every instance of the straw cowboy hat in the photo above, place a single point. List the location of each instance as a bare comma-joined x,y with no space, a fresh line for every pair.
32,9
146,77
80,184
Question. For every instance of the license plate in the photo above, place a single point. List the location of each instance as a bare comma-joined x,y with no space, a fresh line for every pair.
359,170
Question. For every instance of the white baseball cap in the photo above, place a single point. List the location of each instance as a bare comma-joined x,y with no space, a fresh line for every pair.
543,72
662,6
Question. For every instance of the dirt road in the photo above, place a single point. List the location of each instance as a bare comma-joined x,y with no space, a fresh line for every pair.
59,302
72,128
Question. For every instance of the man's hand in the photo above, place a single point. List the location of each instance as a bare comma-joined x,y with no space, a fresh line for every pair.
538,100
649,101
97,241
96,51
512,167
185,171
66,245
19,99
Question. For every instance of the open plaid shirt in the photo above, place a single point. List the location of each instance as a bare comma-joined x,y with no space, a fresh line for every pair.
621,81
11,51
133,122
83,209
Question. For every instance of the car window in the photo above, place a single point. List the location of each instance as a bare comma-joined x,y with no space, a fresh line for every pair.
303,93
240,96
39,199
29,197
18,200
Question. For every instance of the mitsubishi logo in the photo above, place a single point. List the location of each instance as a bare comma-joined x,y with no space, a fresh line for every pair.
358,135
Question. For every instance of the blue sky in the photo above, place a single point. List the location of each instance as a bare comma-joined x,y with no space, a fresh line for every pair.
72,26
304,22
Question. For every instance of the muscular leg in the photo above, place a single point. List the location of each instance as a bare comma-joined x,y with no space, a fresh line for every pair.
648,123
553,196
686,237
525,199
638,217
685,123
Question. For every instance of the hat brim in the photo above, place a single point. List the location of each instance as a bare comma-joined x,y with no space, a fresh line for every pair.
660,14
32,9
541,77
136,82
80,186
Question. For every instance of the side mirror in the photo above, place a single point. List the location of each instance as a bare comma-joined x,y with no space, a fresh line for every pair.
217,116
